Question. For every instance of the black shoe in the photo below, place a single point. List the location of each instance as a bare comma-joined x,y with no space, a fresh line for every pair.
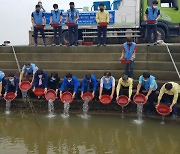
155,43
98,45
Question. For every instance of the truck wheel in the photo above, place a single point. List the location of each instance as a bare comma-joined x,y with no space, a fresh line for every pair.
161,34
65,37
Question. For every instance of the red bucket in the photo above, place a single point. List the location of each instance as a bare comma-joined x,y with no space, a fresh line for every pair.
70,24
25,86
163,110
50,95
39,92
54,25
151,21
88,96
10,96
67,97
40,26
103,24
88,43
122,100
105,99
124,61
139,99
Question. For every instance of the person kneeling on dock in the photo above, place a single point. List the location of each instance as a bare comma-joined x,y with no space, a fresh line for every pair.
129,53
107,85
70,84
12,84
169,95
54,82
40,80
27,73
2,82
89,84
148,83
124,84
38,19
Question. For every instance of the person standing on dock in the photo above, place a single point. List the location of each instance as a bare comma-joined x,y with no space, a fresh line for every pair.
12,84
70,84
56,18
72,17
40,80
102,16
124,84
148,83
151,17
107,85
28,72
169,95
38,19
89,84
2,79
129,53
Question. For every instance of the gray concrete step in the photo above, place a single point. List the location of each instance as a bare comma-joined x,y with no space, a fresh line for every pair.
160,75
85,57
87,49
96,65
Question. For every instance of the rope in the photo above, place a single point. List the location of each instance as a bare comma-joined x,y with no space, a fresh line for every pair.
166,44
17,62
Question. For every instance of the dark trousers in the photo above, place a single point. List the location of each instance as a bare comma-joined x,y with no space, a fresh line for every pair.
102,31
149,106
150,29
167,100
36,30
71,30
89,88
129,69
106,91
124,91
58,35
71,90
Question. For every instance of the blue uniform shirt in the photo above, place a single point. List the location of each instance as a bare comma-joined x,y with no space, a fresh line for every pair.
2,75
93,82
73,84
32,70
37,79
9,84
72,15
150,83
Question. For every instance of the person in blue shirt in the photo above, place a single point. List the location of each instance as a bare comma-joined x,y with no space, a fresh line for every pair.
72,17
12,84
27,73
152,13
56,18
70,84
38,18
89,84
129,53
2,76
148,83
40,80
107,85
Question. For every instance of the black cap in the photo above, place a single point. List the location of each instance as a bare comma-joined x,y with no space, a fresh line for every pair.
55,6
88,76
69,75
39,72
38,6
71,3
168,86
125,77
11,75
146,75
155,2
107,74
